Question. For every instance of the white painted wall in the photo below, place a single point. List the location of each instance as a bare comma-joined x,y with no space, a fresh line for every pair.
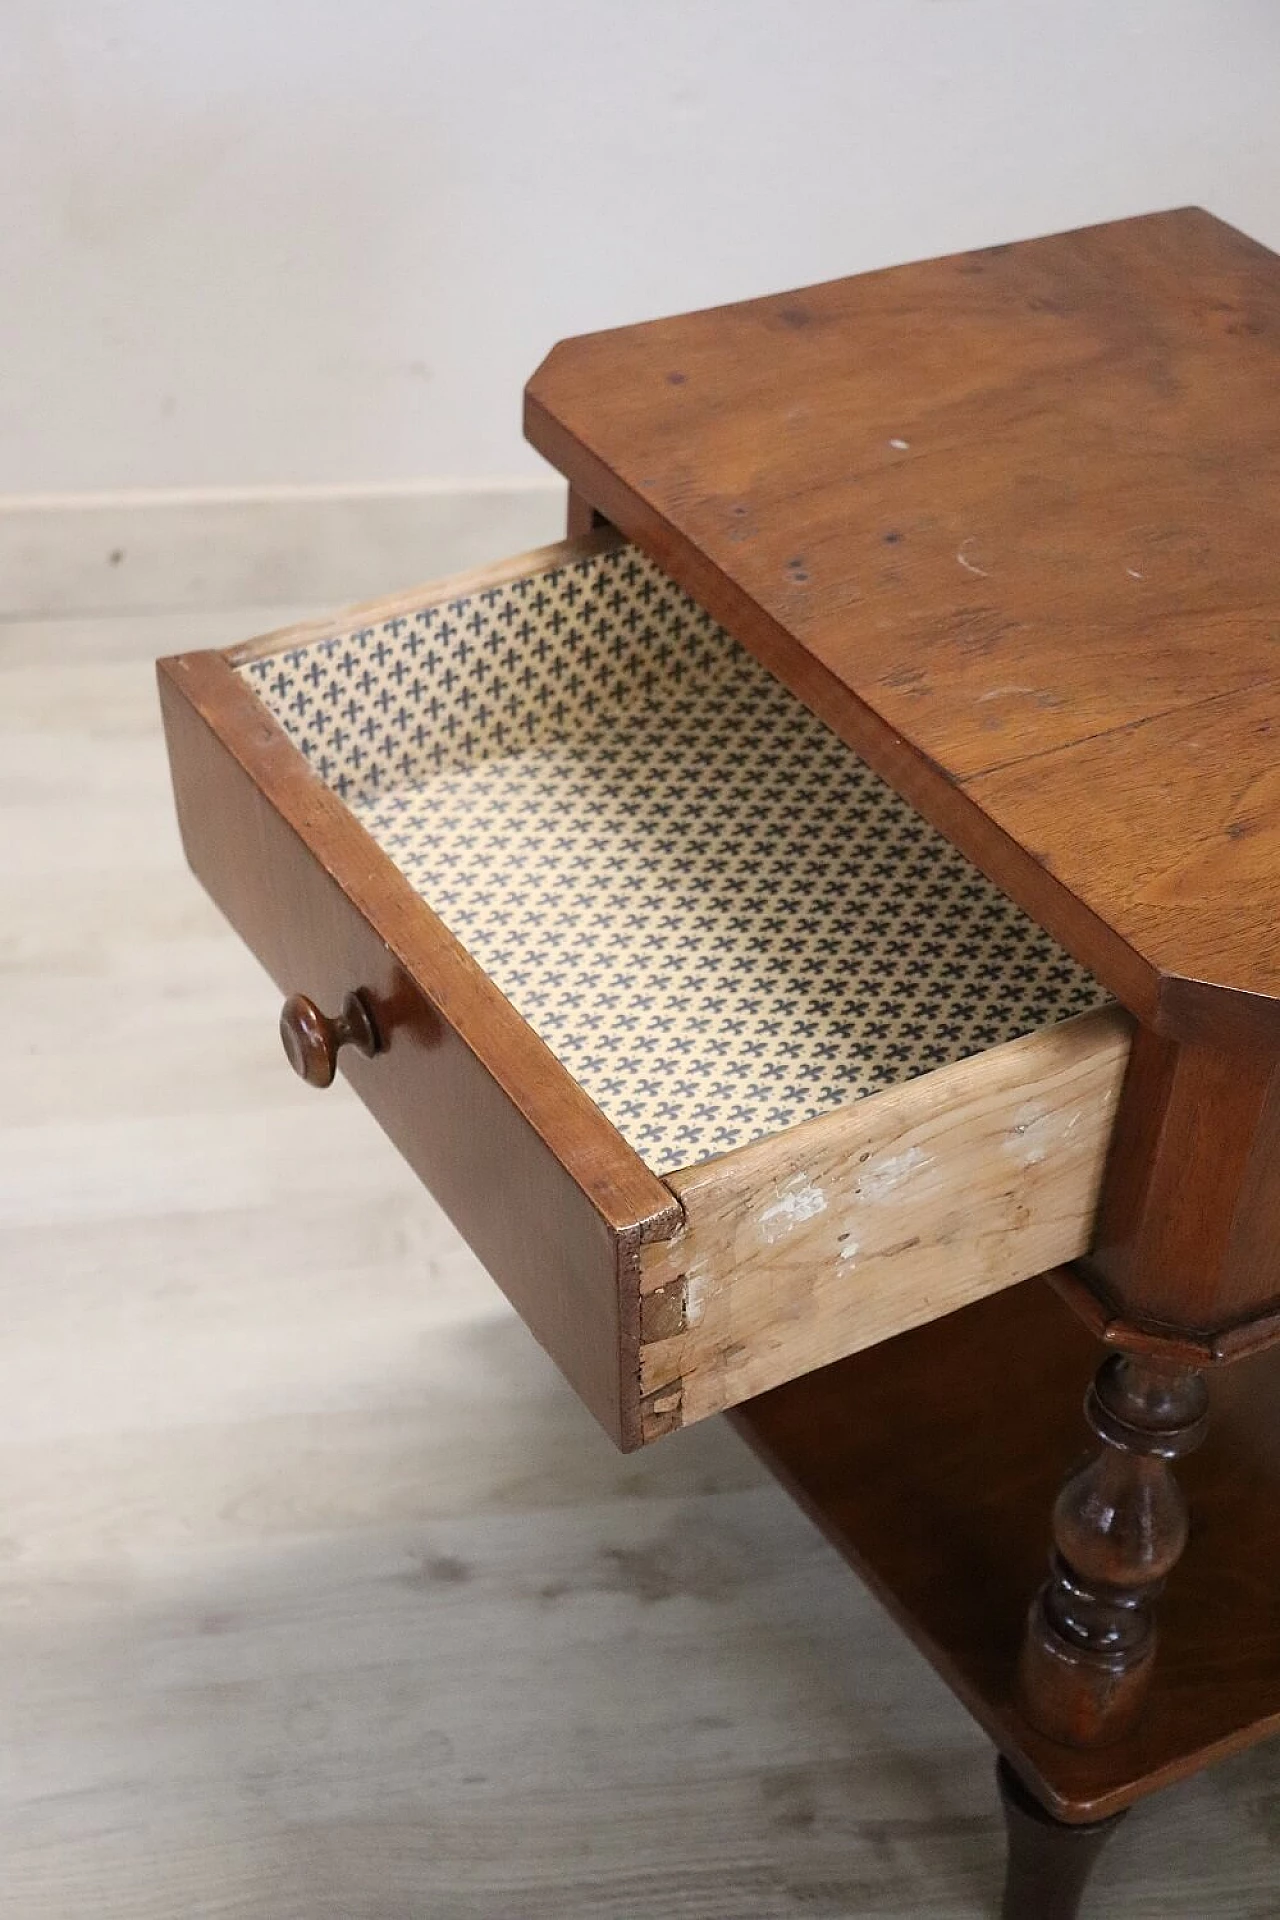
250,241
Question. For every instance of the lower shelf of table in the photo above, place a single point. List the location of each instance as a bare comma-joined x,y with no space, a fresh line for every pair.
931,1463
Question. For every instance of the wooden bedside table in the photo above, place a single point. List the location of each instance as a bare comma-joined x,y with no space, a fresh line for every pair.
747,1086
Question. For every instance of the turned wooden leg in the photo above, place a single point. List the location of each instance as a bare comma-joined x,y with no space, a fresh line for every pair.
1049,1861
1119,1525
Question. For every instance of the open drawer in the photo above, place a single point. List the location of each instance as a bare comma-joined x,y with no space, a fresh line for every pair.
723,1060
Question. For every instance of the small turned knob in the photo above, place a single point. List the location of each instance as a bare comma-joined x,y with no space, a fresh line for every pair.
311,1039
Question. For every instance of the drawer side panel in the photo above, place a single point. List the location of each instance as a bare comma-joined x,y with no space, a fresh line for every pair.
895,1210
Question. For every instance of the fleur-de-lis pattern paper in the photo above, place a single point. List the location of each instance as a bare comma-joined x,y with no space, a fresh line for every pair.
716,916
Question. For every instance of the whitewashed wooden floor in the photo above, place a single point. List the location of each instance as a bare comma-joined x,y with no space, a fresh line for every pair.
320,1596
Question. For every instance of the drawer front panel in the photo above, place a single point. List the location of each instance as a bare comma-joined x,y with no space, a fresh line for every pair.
566,1259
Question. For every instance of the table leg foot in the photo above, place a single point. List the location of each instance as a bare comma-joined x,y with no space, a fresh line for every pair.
1049,1862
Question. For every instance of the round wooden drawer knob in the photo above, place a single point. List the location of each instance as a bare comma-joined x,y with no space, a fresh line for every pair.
312,1040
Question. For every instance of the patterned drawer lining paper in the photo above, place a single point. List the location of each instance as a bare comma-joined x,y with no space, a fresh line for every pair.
716,916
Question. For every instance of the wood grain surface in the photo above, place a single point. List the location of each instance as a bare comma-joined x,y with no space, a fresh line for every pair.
1006,520
887,1213
544,1188
1188,1227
